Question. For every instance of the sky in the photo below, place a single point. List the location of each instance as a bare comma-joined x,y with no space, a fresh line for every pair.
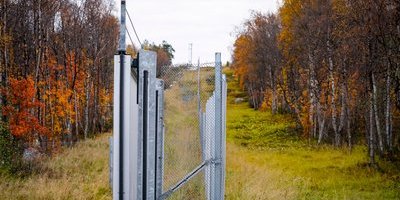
207,24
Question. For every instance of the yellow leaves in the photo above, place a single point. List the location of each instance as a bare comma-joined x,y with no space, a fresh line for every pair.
63,84
105,97
288,13
242,49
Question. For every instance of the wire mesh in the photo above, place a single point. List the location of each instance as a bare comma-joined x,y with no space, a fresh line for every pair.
187,89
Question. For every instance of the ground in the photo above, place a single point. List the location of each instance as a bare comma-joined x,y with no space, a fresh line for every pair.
266,159
80,172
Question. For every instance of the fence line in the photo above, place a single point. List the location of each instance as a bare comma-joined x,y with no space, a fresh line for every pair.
174,130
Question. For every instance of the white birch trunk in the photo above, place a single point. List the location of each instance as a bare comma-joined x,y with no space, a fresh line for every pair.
375,107
333,100
86,129
76,115
312,85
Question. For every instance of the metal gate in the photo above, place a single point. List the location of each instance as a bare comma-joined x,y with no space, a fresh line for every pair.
169,140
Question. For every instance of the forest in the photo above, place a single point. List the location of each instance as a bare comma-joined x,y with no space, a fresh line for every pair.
55,74
313,100
333,64
56,66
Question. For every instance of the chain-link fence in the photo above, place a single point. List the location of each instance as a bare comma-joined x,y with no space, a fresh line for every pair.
189,95
170,141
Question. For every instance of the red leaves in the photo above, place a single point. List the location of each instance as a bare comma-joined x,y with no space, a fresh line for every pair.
21,105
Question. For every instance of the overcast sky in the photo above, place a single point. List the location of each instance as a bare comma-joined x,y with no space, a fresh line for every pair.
207,24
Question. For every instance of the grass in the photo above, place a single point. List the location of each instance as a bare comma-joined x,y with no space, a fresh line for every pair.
77,173
267,160
182,141
182,146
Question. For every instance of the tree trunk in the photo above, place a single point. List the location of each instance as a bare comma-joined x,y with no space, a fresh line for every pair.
333,99
76,115
375,107
388,123
95,110
313,101
345,118
321,122
348,129
68,132
4,58
273,87
87,88
38,47
371,131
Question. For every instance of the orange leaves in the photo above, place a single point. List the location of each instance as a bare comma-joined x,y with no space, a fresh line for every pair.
21,104
61,83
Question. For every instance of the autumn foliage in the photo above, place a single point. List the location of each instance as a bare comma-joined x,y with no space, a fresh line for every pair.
21,103
56,66
333,64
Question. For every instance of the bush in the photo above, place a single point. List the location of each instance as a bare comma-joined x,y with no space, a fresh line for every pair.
10,151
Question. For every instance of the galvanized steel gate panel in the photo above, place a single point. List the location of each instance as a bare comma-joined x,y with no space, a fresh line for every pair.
173,130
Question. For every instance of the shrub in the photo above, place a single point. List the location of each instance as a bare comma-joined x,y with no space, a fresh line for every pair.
10,151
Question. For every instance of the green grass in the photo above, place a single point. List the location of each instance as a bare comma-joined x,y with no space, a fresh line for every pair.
267,160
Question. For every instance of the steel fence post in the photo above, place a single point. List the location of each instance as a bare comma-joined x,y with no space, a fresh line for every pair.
110,161
224,98
159,138
147,125
217,192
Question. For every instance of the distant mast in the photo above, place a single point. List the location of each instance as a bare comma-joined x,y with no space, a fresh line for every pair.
190,53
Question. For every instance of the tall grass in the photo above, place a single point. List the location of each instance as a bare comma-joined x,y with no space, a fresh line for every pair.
266,159
80,172
183,150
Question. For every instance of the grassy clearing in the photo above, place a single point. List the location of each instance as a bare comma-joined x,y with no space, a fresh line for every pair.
77,173
266,160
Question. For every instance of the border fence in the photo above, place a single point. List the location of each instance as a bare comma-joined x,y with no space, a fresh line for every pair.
169,129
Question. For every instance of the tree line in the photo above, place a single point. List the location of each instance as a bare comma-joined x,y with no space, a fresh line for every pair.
56,66
333,64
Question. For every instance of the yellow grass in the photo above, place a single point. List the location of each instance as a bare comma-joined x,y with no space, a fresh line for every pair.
183,151
77,173
247,179
265,160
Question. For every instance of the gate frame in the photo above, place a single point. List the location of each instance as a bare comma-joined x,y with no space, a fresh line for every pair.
140,95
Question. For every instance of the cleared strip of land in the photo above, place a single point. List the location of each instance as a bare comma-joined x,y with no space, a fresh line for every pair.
265,160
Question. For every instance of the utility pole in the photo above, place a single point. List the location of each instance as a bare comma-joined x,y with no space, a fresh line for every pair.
122,52
190,53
